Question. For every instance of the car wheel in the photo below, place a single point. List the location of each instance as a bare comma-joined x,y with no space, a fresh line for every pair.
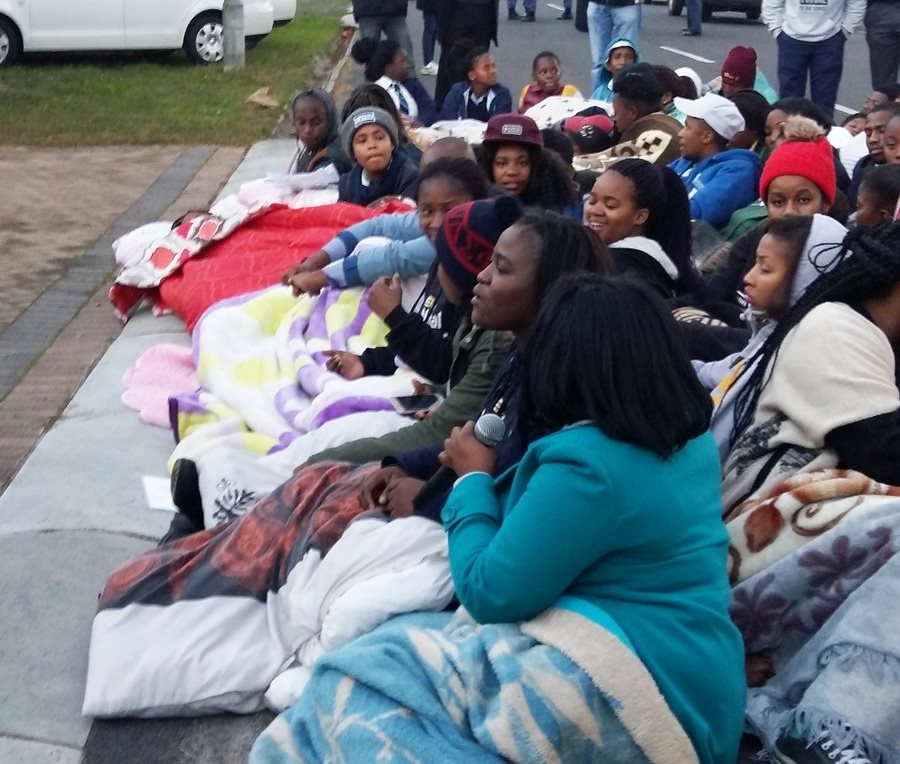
10,46
754,14
676,7
203,41
706,13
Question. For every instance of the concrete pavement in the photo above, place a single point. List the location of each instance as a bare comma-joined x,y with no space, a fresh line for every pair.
76,508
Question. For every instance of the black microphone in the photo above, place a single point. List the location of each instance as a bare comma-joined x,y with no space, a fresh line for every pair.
489,431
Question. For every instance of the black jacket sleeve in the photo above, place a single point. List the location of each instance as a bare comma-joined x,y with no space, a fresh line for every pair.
711,343
870,446
420,463
426,351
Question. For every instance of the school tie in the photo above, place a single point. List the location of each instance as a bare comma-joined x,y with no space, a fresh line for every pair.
402,103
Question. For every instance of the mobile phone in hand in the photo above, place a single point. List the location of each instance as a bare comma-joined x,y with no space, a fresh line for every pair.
410,404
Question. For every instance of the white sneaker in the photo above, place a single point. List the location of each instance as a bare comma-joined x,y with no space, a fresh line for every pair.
430,69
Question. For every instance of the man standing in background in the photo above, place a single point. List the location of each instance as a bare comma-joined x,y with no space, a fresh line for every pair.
389,16
810,36
883,38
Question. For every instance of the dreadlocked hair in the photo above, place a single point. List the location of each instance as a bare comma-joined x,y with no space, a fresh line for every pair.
868,267
566,245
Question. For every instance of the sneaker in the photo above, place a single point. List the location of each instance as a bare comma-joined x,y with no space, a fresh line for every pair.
565,16
528,17
512,15
430,69
823,750
186,491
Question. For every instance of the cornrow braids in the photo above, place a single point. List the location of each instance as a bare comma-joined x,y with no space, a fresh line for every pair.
868,267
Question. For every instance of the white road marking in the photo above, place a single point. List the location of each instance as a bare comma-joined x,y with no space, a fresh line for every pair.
687,55
844,109
555,7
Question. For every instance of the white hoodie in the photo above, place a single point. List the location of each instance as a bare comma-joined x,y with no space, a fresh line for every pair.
812,20
726,377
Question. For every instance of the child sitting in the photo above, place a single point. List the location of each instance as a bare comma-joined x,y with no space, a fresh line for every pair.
792,253
369,135
386,65
316,127
878,194
621,52
545,82
479,96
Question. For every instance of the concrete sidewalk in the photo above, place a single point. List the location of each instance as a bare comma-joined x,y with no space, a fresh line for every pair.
76,507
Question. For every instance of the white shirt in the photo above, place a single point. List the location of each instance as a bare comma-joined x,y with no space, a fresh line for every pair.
392,86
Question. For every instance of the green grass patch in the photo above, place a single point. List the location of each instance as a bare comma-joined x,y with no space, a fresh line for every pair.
152,98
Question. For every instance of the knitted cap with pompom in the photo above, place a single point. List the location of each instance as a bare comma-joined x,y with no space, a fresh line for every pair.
804,151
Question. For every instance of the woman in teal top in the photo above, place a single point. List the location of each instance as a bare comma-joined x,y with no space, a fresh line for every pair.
614,510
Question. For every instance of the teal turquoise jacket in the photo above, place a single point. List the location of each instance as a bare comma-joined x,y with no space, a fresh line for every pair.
616,527
603,91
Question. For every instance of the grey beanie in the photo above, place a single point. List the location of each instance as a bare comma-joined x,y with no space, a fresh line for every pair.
368,115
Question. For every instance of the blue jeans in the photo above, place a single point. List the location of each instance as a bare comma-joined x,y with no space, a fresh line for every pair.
394,28
528,5
822,62
694,16
606,23
429,36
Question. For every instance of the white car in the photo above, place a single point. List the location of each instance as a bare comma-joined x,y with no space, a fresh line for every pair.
94,25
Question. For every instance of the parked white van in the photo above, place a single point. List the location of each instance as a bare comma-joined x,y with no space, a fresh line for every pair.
95,25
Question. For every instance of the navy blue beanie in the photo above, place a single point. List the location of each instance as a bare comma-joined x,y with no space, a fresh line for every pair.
465,241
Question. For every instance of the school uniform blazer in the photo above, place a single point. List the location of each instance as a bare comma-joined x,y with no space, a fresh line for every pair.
456,103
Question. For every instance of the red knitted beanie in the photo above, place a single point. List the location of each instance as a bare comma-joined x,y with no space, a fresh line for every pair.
810,159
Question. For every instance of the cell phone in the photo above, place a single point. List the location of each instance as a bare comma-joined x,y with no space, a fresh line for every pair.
410,404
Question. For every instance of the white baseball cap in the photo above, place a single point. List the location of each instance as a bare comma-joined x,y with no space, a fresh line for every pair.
717,111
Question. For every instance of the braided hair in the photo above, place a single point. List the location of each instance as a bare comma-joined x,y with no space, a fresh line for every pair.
871,272
660,190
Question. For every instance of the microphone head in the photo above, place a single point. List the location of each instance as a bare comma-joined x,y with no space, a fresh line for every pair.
489,430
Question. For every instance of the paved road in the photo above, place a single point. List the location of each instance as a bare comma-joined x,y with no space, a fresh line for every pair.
661,42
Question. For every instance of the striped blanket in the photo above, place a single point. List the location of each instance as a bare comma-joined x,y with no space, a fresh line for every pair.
261,364
442,688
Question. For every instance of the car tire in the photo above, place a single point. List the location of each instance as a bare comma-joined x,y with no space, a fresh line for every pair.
675,7
203,41
754,14
10,43
706,13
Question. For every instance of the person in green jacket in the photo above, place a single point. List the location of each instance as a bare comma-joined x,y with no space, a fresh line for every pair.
613,512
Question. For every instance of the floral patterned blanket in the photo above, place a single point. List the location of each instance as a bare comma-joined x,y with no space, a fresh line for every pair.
769,526
816,575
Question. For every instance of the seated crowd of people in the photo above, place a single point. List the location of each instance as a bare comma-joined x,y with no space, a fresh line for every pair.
674,300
